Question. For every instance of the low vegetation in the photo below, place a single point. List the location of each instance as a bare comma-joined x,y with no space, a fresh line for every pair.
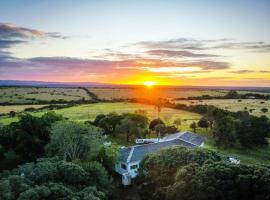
41,95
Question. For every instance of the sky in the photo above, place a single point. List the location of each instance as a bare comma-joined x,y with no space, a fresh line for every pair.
184,42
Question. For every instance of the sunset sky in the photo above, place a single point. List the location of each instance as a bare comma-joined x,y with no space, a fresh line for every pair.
184,42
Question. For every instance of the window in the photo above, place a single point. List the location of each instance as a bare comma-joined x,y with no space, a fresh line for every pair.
133,166
123,166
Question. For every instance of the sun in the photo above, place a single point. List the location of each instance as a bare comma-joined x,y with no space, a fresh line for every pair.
149,83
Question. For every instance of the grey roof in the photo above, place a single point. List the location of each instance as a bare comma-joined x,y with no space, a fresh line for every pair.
172,136
141,150
192,138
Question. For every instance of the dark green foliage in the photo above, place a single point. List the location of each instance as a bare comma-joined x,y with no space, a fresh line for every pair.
264,110
203,123
158,170
198,174
232,95
233,128
133,125
224,131
72,140
108,156
253,131
193,125
55,179
108,122
25,140
220,180
12,113
155,122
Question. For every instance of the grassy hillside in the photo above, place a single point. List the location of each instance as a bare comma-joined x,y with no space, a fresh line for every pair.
253,106
90,111
17,108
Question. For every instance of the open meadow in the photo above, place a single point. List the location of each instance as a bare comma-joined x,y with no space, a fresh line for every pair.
253,106
159,92
152,93
17,108
90,111
34,94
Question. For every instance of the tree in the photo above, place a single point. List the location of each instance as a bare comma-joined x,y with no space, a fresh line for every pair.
159,103
155,122
72,140
264,110
160,130
203,123
252,131
232,94
158,171
12,113
177,122
224,131
108,156
133,124
55,179
109,123
193,125
25,140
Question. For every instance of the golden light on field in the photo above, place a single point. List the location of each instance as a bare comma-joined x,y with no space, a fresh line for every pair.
149,83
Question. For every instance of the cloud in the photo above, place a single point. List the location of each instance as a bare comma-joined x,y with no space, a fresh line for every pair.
197,44
175,53
5,44
12,31
249,71
66,66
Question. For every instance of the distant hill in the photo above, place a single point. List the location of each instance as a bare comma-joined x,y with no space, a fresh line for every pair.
107,85
51,84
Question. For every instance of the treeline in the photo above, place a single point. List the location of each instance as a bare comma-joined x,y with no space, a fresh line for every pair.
50,157
32,109
228,128
233,94
132,125
35,101
232,128
199,174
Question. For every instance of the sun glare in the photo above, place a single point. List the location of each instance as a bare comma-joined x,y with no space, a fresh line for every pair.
149,83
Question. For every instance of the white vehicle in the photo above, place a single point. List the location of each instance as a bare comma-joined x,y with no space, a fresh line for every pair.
234,160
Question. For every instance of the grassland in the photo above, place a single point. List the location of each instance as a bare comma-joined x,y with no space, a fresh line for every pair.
34,94
253,106
144,92
90,111
17,108
159,92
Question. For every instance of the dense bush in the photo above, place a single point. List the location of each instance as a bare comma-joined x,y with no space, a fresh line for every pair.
55,179
25,140
72,140
198,174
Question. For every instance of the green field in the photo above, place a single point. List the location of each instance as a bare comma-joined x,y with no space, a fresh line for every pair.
253,106
90,111
17,108
34,94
